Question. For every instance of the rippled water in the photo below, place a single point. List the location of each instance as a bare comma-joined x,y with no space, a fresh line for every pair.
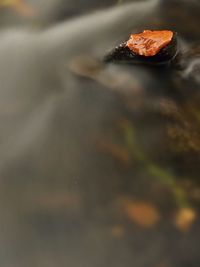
99,163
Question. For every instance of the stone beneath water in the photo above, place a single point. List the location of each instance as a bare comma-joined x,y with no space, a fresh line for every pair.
149,47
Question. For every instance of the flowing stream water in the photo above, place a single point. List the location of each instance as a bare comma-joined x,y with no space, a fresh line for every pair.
99,163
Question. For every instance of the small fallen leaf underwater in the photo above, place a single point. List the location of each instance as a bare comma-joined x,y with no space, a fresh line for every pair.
141,213
117,231
20,6
184,219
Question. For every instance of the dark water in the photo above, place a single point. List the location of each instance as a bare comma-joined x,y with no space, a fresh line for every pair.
99,163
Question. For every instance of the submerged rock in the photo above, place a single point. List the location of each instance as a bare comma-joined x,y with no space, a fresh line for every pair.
146,47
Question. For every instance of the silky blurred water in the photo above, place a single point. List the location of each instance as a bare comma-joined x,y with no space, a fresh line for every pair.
82,142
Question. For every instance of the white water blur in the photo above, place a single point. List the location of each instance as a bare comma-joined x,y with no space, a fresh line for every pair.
30,61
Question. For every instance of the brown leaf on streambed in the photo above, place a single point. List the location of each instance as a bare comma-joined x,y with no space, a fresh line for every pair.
20,6
24,9
141,213
113,78
117,231
184,219
117,152
85,66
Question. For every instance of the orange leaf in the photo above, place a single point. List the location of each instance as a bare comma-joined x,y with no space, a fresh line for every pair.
184,219
142,213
